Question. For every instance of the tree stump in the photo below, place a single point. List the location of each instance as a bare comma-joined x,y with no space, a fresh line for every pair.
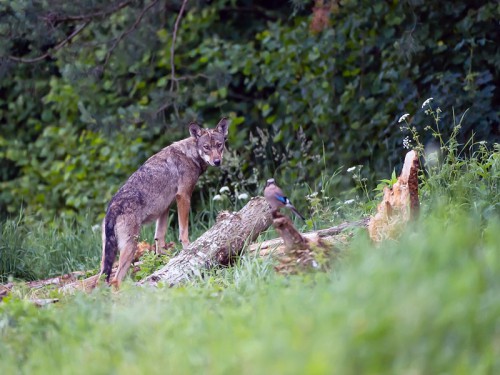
399,204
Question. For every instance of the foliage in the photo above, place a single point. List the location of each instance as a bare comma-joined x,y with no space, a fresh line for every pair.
75,125
70,178
150,262
386,183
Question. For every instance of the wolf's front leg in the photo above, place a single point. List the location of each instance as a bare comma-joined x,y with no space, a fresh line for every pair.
160,231
183,207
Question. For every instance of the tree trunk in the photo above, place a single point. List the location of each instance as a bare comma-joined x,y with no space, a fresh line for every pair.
217,245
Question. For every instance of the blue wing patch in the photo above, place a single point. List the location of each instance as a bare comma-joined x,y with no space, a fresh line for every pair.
281,198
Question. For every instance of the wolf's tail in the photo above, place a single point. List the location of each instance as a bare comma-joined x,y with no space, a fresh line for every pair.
110,245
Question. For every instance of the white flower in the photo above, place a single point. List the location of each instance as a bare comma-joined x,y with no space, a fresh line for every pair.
351,169
243,196
217,197
223,189
427,102
407,143
312,195
402,118
96,227
349,201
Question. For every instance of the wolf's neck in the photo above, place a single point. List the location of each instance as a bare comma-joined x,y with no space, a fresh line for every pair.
188,146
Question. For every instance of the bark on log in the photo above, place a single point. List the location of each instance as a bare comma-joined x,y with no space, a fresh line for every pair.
300,252
217,245
399,204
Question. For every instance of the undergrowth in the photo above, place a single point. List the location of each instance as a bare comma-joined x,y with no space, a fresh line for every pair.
425,304
36,251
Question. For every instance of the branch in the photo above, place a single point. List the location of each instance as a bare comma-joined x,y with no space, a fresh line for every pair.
53,18
68,39
128,31
182,78
174,81
172,47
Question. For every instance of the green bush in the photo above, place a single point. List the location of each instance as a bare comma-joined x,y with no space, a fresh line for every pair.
300,100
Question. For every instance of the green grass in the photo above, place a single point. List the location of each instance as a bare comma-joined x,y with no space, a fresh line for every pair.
36,251
425,304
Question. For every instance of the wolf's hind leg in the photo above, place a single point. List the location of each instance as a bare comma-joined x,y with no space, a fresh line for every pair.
160,231
127,245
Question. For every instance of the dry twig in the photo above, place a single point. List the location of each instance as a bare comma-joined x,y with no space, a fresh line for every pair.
49,53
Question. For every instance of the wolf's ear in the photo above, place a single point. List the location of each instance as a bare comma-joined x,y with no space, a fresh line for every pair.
195,130
222,126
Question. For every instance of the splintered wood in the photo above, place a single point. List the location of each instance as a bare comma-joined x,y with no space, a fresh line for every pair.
299,253
399,204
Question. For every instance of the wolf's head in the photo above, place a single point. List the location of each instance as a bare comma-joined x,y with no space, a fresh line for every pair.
210,142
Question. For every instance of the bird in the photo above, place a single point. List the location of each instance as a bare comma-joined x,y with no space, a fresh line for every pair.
276,199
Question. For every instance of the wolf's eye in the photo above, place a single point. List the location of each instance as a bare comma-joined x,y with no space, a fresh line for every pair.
206,147
218,145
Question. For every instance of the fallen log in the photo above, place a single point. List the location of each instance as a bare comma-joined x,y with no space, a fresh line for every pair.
211,248
300,253
217,246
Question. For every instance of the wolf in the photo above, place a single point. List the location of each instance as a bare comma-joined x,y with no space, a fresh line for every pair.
147,195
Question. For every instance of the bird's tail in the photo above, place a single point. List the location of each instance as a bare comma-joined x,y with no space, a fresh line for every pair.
294,210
